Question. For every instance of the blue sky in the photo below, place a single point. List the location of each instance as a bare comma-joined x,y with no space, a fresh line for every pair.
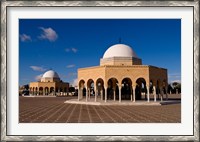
65,45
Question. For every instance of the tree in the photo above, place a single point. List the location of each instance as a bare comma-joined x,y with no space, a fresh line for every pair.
169,89
24,89
176,85
71,89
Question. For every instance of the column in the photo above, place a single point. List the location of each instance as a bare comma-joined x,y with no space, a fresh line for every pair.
101,94
131,96
86,98
161,94
114,94
133,93
59,91
79,94
105,93
154,93
166,94
176,91
48,92
95,94
43,92
120,95
148,98
89,93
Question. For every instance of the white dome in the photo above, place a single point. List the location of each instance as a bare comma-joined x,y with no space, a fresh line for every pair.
119,50
50,74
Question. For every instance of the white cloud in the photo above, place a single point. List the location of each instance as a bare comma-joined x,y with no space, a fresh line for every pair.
70,66
24,37
74,50
38,77
37,68
179,81
49,34
71,50
75,82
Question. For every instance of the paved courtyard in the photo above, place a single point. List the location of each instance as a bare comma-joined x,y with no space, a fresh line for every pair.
54,110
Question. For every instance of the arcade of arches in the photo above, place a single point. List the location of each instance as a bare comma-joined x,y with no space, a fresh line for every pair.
49,89
117,89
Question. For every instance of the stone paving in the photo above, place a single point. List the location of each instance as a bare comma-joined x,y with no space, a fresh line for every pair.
54,110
